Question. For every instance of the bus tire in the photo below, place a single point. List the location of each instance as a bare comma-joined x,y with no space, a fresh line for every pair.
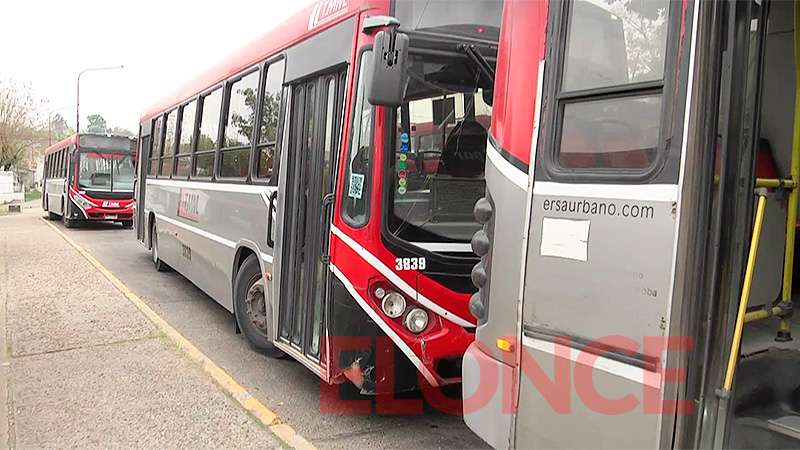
52,216
127,224
160,265
249,291
69,223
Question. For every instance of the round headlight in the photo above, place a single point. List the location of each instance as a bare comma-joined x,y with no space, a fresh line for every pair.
416,320
393,304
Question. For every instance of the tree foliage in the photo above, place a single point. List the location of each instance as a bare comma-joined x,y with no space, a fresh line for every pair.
22,137
644,24
59,129
97,124
122,131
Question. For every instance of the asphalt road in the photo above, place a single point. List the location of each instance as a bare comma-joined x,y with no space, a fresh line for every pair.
284,385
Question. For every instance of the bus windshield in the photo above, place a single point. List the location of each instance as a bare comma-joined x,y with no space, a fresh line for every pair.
111,172
436,174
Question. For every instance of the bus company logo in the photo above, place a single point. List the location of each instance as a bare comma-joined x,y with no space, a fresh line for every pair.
108,204
326,11
189,206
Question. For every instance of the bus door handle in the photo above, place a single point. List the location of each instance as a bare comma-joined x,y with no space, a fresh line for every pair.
272,197
327,205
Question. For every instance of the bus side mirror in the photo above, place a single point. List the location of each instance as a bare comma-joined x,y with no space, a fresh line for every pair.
389,69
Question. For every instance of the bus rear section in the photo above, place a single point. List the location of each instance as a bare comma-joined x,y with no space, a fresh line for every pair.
654,286
89,177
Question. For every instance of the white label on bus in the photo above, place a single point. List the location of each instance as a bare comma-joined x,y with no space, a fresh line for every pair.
401,264
565,238
356,185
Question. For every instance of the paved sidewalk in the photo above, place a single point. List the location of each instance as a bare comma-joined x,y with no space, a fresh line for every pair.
84,368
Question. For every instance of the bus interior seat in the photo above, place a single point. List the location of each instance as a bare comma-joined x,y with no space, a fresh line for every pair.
464,152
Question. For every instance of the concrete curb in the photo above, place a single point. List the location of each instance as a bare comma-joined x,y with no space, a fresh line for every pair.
252,405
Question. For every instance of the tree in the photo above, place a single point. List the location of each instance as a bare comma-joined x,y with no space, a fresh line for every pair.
645,26
21,126
97,124
122,131
59,129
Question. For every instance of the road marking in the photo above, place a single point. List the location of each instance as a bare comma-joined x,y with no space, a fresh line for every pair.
251,404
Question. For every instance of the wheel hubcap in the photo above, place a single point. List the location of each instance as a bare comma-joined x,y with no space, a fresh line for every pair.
256,306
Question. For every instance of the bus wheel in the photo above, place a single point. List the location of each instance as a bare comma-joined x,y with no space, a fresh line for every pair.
250,307
127,224
52,216
69,223
160,265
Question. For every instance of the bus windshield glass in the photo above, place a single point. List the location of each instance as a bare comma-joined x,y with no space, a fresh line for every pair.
111,172
436,175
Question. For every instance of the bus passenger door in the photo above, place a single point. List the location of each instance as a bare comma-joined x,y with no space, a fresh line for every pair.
142,160
314,139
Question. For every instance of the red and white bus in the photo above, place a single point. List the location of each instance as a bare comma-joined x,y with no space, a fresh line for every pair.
638,241
89,177
272,183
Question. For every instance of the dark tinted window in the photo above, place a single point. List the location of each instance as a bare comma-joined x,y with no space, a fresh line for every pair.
158,142
169,144
270,111
187,127
612,45
355,202
211,107
242,111
621,42
209,121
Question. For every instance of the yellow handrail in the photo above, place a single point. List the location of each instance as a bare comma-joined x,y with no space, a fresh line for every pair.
748,281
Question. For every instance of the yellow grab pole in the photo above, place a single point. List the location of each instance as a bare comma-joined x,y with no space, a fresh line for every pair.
791,212
748,281
762,314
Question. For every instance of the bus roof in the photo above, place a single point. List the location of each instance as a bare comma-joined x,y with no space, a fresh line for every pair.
73,139
311,20
62,143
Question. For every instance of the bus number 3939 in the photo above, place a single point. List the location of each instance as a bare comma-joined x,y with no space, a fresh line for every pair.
409,263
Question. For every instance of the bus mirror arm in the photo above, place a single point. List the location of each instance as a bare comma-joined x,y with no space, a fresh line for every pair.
272,197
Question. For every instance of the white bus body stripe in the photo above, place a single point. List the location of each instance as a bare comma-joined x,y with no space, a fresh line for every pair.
373,261
516,176
219,239
602,363
215,186
443,247
205,234
385,327
640,192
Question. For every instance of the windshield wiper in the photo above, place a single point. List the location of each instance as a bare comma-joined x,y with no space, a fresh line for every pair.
485,70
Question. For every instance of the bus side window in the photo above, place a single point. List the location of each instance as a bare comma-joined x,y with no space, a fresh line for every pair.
208,137
268,120
158,142
610,91
358,167
186,139
237,137
169,145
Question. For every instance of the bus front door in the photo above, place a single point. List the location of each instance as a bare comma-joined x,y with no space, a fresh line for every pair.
599,265
313,143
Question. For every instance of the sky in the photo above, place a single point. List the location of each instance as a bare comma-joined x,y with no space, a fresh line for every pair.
160,43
